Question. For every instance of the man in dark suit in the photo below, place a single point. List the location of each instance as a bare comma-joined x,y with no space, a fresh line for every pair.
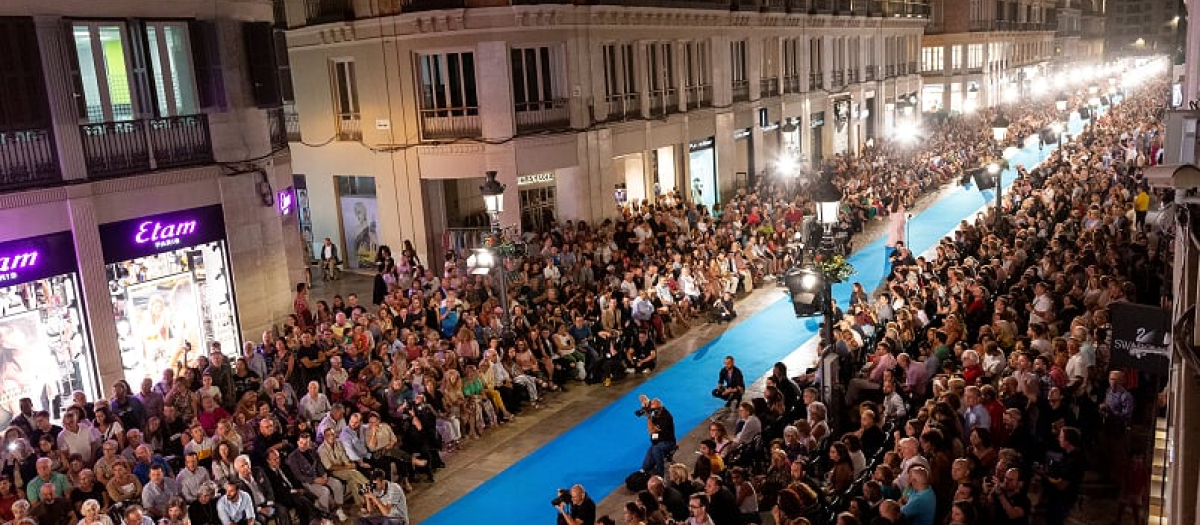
289,492
253,481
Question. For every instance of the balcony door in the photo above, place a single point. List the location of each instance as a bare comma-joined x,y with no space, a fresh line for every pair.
123,75
104,71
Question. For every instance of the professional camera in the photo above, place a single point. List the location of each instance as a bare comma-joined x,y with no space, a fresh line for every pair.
564,496
642,411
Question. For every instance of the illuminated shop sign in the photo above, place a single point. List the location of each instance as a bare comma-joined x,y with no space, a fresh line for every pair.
36,258
133,238
285,200
537,178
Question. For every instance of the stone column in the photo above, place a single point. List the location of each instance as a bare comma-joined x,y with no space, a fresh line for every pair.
495,105
93,281
56,69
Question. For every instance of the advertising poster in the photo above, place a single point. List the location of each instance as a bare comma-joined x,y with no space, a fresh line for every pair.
27,368
157,326
702,164
1141,337
360,222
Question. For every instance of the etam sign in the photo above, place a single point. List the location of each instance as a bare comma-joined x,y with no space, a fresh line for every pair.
34,258
143,236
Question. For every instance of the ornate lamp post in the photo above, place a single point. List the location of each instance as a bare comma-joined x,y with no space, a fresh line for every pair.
484,260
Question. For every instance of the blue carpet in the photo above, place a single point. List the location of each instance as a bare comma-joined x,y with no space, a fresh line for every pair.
600,451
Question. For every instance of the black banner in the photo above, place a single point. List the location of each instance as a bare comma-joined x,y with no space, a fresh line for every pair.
1141,337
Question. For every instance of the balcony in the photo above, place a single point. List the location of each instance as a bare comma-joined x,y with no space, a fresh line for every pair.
741,90
816,81
911,69
1009,25
327,11
794,84
768,87
543,115
349,126
852,76
113,149
450,123
872,73
27,158
623,106
277,127
664,101
890,71
699,96
839,79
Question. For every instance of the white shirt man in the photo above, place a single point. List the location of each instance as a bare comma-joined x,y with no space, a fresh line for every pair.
78,439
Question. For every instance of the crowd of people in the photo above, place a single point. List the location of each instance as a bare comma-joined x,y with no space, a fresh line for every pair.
976,381
985,360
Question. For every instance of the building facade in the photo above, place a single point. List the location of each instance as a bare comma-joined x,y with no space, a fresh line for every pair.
137,179
1144,27
577,107
979,53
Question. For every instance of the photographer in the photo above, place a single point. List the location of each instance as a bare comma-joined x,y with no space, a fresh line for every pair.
661,427
385,501
575,507
1010,504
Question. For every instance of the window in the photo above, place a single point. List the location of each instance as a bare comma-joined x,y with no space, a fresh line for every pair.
126,71
956,58
791,57
698,73
448,84
171,66
103,75
931,59
815,49
619,78
532,78
660,66
24,103
737,57
975,56
345,99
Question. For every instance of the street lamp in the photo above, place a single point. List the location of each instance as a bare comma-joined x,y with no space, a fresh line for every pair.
1059,131
1000,128
829,202
493,198
484,260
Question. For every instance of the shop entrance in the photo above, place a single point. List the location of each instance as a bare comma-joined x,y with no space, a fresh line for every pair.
171,288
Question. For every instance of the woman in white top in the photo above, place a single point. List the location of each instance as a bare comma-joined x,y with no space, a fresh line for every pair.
92,515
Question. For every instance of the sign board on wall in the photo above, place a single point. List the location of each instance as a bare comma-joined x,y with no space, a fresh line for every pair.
34,258
537,178
1141,337
133,238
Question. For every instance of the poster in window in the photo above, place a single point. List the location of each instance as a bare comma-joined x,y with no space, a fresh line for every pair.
157,325
360,222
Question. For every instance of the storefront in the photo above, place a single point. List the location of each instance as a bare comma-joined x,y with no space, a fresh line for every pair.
842,115
743,150
171,287
702,165
45,352
538,199
665,170
816,122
